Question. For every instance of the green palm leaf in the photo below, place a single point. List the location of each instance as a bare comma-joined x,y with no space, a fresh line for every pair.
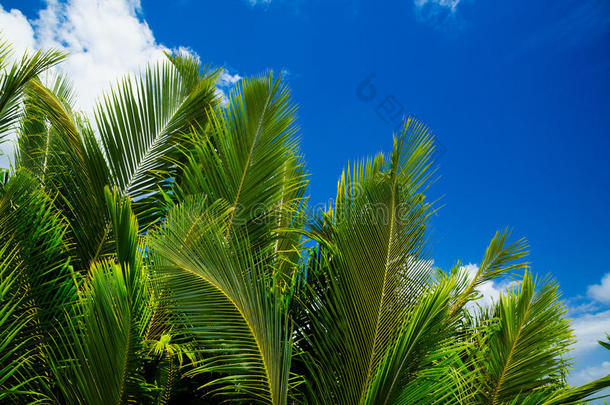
141,120
18,381
38,231
525,353
59,147
248,157
14,80
500,259
47,115
234,311
425,364
125,229
41,268
373,271
575,395
103,341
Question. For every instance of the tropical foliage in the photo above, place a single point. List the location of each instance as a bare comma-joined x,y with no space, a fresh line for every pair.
163,252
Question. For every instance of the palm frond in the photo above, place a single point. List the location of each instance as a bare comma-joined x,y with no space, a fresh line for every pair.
572,395
103,341
575,395
47,116
125,229
41,267
141,120
249,158
38,231
18,380
78,172
500,259
375,266
6,50
424,366
526,351
233,310
14,80
59,147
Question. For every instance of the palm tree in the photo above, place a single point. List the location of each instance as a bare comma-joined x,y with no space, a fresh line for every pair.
163,253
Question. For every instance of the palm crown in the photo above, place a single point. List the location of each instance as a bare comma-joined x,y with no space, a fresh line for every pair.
160,254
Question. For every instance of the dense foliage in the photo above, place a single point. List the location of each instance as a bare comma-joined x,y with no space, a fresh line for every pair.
163,252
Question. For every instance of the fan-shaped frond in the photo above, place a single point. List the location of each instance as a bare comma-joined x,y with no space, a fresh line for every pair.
374,268
102,341
425,364
249,158
233,310
525,352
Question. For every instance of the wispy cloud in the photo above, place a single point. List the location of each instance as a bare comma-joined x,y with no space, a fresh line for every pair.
590,373
438,13
574,23
443,4
589,328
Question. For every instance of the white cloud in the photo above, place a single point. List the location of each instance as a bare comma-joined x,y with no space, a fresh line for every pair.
226,81
589,328
591,318
489,290
16,28
105,39
590,373
590,323
600,292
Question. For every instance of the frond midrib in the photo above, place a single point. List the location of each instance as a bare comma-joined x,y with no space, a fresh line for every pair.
247,165
494,399
161,133
370,370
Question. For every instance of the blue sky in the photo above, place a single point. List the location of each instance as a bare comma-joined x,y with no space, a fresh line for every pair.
516,92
